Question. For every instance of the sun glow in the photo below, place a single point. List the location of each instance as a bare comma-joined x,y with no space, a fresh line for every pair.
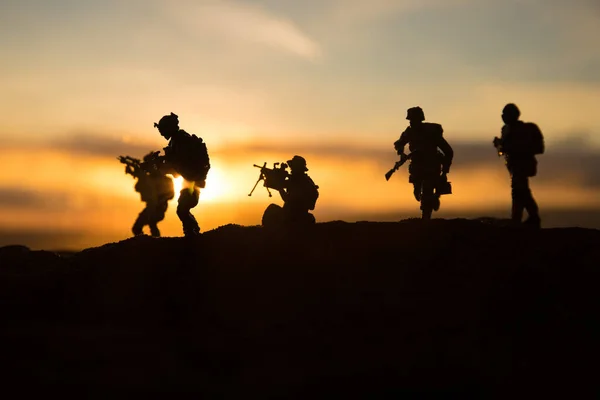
217,187
177,185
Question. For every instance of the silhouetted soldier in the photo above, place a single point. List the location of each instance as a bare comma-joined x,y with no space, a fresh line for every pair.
186,155
424,140
298,192
155,188
520,142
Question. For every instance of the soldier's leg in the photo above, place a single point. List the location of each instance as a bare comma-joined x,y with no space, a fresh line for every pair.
417,189
141,221
531,207
188,199
519,188
158,215
428,196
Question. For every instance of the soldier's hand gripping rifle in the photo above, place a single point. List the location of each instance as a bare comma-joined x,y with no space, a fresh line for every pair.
273,178
403,158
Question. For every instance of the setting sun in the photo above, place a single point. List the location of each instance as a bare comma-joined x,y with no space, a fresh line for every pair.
218,188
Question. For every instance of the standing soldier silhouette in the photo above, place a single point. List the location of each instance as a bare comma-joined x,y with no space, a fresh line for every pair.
185,155
520,142
155,189
428,167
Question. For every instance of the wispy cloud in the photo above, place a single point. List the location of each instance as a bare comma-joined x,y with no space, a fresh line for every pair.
360,11
574,156
25,198
246,23
578,162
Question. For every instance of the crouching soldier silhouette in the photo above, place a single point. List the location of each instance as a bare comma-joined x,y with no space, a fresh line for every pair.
519,143
186,155
155,189
297,190
428,166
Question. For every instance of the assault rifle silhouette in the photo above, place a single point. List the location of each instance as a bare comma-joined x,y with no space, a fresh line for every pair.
403,158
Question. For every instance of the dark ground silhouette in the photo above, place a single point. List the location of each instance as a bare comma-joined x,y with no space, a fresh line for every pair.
353,310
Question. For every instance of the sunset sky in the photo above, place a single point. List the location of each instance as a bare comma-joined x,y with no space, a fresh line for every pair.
83,81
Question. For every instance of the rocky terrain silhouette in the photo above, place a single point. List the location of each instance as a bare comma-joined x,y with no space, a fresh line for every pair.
461,307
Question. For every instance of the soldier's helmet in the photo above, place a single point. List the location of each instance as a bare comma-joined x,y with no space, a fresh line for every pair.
297,163
511,112
415,114
168,122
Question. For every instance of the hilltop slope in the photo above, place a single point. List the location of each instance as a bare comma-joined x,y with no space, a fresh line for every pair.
456,306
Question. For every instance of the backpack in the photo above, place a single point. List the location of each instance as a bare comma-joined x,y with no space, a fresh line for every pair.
523,138
193,162
536,138
312,195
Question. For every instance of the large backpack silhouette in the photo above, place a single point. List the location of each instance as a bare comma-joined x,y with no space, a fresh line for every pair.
193,162
312,195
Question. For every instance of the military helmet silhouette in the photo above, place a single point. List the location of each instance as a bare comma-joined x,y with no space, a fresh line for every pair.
415,113
171,120
297,162
511,111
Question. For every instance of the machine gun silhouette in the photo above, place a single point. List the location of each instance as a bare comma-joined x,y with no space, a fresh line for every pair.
403,158
273,178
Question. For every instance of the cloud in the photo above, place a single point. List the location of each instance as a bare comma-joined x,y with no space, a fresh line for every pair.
103,146
560,164
20,198
246,23
87,144
360,11
572,156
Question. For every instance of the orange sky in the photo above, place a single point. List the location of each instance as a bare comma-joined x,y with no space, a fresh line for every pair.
330,80
63,191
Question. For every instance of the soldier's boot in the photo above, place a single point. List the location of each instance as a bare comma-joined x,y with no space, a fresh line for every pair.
138,227
190,225
516,214
154,231
533,221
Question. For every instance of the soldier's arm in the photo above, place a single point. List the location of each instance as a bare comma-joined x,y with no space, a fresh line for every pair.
402,142
284,194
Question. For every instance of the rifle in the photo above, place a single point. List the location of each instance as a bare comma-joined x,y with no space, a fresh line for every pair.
273,178
133,165
137,168
403,158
